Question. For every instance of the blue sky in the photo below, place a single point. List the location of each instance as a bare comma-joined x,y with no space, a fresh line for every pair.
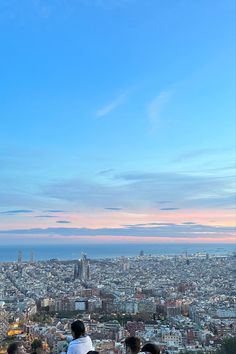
113,110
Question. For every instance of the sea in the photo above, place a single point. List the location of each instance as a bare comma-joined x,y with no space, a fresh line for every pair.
99,251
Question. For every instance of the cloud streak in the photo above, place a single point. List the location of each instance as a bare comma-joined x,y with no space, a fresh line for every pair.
46,216
137,191
155,109
113,209
172,230
169,209
105,172
63,222
54,211
15,212
206,152
111,106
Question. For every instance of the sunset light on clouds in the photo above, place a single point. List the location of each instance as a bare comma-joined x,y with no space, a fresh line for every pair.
117,122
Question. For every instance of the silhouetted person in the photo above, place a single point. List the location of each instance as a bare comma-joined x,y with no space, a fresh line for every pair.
132,345
16,348
81,343
151,348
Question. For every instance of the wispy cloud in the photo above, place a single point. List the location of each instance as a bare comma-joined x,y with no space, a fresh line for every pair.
63,222
105,172
111,106
206,152
54,211
46,216
184,191
188,223
113,209
19,211
155,109
157,230
169,209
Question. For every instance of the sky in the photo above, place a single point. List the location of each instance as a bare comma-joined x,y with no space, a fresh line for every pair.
117,121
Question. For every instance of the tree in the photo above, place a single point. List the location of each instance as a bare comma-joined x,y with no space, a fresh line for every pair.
228,346
37,345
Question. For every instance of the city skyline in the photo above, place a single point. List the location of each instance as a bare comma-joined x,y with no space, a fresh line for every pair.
117,122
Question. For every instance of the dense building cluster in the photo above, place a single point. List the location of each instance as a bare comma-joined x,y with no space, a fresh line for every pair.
181,303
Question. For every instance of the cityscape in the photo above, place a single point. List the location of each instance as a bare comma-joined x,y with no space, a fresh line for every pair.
117,177
182,303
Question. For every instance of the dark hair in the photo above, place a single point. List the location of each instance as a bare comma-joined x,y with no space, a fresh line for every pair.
93,352
78,328
12,349
151,348
133,343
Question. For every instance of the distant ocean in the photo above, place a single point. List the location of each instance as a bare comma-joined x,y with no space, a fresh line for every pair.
68,252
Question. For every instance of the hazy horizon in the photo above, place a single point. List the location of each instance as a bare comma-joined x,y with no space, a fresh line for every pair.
37,252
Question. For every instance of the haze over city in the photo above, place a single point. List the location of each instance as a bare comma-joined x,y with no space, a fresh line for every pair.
117,121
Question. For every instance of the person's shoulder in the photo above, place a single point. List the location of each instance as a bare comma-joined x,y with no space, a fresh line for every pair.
73,349
69,338
84,339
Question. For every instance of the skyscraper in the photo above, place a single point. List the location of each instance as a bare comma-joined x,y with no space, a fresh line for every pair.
20,256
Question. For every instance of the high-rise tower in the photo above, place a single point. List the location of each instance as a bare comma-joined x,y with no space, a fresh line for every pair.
20,256
31,256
